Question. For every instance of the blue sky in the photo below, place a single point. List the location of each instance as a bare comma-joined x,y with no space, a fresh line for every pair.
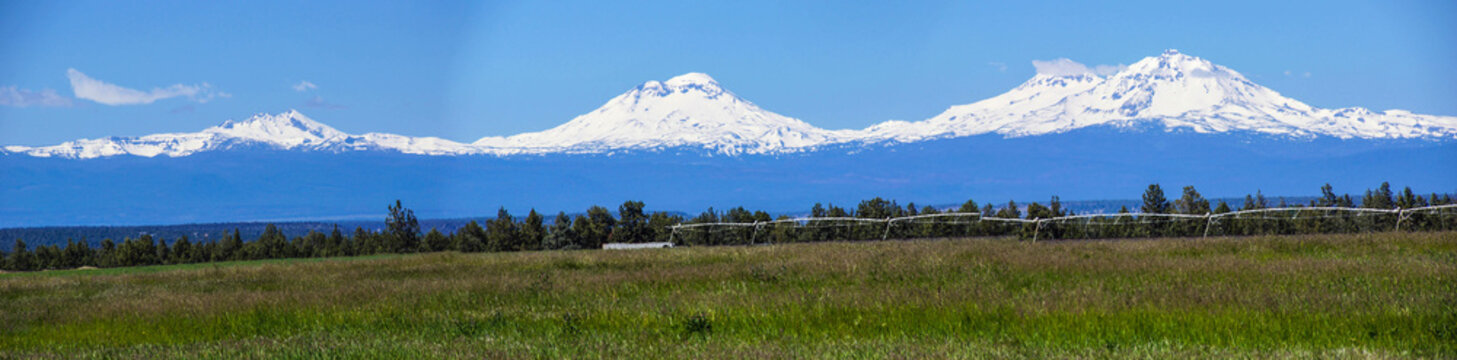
466,70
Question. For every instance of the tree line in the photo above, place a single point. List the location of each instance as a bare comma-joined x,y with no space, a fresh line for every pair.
631,223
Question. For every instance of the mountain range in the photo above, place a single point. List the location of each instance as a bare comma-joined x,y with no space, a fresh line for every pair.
1172,90
688,143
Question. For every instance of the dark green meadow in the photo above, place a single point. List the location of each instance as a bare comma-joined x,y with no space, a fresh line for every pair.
1386,295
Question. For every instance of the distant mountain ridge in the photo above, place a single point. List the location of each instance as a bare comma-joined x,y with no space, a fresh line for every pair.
692,111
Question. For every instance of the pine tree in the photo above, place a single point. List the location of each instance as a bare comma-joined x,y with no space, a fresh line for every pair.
1381,198
1409,199
471,238
968,207
1192,203
271,245
560,235
404,228
1223,208
107,255
334,245
181,250
582,233
164,254
20,257
501,232
1154,201
533,231
1012,211
232,248
601,225
435,241
632,223
658,225
1328,196
363,242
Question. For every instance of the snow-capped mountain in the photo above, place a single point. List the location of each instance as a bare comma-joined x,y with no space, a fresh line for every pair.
289,131
1175,90
689,110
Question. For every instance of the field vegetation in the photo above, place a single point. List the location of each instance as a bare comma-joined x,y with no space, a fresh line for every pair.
1383,295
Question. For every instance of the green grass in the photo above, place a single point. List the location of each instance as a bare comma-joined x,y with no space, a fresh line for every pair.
1387,295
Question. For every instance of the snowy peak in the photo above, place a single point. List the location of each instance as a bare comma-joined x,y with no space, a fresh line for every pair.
693,79
690,110
1173,64
288,129
1174,90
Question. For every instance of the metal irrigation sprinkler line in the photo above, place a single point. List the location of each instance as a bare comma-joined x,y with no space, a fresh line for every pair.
1207,223
1210,218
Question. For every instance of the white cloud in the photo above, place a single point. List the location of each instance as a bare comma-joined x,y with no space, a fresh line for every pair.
1001,66
303,86
102,92
17,97
1066,67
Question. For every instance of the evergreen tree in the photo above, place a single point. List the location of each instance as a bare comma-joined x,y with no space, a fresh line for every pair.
107,255
1154,201
1192,203
363,242
1328,196
46,257
334,244
658,225
1012,211
560,236
435,241
232,248
21,258
403,227
632,225
181,250
875,208
1381,198
164,254
271,245
969,207
582,233
470,238
147,250
501,232
1409,199
533,231
1037,211
601,224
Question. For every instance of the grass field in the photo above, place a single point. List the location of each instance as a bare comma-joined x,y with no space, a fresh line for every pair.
1391,295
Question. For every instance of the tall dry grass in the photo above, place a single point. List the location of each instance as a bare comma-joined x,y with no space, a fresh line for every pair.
1369,295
